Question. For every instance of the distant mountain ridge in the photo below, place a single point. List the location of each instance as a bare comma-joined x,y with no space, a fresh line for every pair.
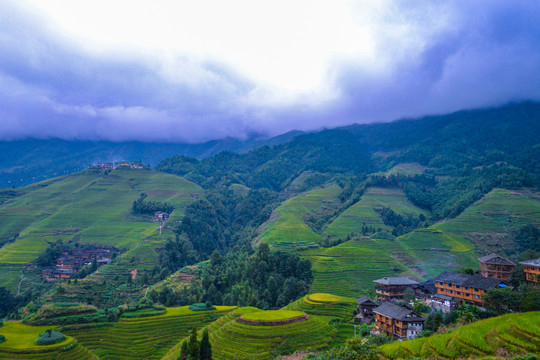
23,162
474,137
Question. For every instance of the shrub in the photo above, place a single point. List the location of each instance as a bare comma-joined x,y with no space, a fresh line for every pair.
201,307
49,337
2,338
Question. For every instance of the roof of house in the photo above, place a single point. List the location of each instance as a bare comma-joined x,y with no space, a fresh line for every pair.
535,262
495,259
427,287
364,300
474,281
395,280
393,311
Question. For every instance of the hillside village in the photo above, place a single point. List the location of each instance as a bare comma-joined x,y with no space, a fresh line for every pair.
444,293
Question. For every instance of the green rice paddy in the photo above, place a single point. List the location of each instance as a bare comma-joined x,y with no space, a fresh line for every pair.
20,339
349,269
288,230
147,337
231,339
515,333
363,212
88,207
272,315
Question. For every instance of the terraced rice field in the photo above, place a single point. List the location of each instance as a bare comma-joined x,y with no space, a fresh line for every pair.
20,339
329,308
515,333
288,230
435,251
144,338
231,339
362,213
349,269
482,228
88,207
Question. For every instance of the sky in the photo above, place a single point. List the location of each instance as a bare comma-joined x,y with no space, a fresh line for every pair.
192,71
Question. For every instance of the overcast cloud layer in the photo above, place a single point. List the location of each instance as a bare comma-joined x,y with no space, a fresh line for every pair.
256,71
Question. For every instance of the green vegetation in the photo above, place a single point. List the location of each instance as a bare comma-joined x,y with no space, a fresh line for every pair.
337,311
143,338
49,337
231,339
272,315
92,206
349,269
515,333
363,213
289,230
244,278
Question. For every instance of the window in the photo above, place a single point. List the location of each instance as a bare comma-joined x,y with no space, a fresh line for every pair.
457,286
459,292
476,296
475,289
450,291
466,288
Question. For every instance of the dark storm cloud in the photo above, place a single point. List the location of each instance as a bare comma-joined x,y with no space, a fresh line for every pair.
488,55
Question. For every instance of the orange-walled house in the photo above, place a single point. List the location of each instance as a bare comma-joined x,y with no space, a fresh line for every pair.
465,287
532,271
399,322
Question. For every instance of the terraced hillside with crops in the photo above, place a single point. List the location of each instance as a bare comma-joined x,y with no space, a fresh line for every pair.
146,337
20,339
232,339
484,227
287,229
363,213
507,334
349,269
337,311
93,206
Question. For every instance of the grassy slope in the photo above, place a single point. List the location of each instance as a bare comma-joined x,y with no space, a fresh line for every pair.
289,230
145,338
88,207
516,333
362,212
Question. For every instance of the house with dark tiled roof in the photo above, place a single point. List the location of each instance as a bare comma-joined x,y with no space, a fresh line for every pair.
495,266
532,271
400,322
365,307
393,287
468,288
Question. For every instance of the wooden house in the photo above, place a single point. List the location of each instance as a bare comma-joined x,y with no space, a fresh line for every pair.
532,271
495,266
365,307
468,288
393,287
399,322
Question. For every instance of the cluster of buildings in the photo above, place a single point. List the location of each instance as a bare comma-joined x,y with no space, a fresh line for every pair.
160,216
442,293
72,260
110,166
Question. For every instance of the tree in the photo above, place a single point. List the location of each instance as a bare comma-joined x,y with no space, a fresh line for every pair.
184,351
194,351
408,295
501,301
206,347
354,349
